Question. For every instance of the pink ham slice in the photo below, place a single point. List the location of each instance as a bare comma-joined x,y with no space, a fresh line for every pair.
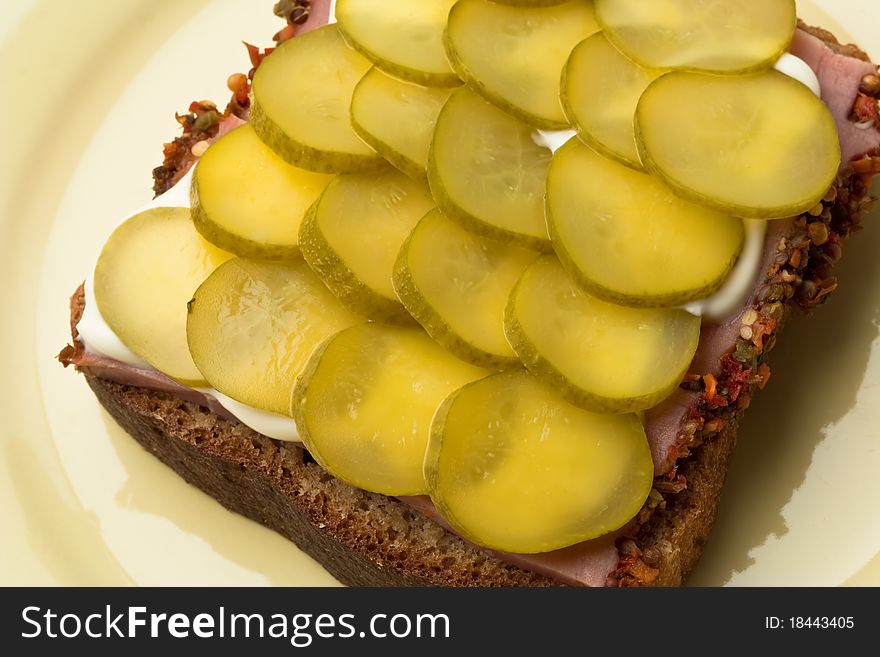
839,76
662,422
129,375
591,563
319,15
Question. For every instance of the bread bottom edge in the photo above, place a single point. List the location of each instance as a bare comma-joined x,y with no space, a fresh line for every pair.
363,539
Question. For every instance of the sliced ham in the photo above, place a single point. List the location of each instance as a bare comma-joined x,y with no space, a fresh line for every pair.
591,563
839,76
319,15
129,375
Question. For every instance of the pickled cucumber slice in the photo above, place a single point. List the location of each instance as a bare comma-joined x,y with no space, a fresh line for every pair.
402,37
512,466
487,173
625,237
514,56
601,356
301,98
759,145
456,284
397,118
365,402
253,324
352,237
145,276
249,201
600,91
733,36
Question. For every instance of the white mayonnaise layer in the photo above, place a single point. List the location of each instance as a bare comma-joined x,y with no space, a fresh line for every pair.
797,68
740,281
279,427
332,18
552,139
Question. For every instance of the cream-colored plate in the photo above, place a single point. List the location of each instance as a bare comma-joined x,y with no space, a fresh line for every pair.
90,91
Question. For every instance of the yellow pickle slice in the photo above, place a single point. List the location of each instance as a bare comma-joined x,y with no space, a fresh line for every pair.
733,36
625,237
487,173
601,356
397,118
365,402
253,324
402,37
456,284
301,98
513,56
353,234
759,146
600,91
142,286
513,466
249,201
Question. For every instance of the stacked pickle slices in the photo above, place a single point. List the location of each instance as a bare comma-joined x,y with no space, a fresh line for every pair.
387,254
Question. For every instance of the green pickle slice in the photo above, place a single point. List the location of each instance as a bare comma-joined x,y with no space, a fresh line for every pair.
402,37
514,56
627,238
144,277
601,356
456,284
487,173
253,324
365,402
354,233
301,98
249,201
759,146
512,466
397,118
600,91
733,36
